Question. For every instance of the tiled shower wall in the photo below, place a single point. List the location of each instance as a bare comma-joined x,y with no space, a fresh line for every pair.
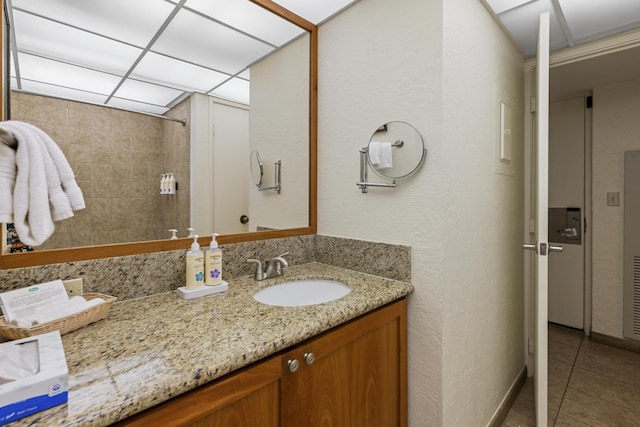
117,157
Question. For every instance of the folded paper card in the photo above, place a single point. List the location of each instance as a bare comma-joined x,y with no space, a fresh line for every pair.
33,376
27,301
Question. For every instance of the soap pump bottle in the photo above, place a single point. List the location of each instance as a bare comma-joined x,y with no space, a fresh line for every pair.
195,265
213,263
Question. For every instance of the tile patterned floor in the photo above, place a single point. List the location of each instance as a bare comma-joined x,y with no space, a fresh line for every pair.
590,384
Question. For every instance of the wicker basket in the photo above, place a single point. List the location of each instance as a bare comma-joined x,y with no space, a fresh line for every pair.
65,324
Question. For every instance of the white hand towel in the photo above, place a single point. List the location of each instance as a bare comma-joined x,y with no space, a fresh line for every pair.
31,212
7,182
69,184
45,189
381,155
374,153
58,200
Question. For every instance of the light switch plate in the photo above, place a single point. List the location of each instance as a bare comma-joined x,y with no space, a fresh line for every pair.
613,198
74,287
505,133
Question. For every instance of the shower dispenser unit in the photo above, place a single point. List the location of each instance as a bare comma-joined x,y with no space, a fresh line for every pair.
168,184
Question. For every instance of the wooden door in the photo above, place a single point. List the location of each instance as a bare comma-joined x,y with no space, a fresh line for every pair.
352,376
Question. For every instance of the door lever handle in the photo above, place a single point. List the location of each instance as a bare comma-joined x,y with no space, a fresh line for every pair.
555,248
531,247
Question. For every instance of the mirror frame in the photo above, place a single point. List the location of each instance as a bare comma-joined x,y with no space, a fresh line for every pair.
53,256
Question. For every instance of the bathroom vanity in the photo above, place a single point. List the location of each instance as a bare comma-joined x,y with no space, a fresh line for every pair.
352,375
228,359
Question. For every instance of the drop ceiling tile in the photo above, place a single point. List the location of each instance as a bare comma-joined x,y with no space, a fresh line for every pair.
201,41
236,90
500,6
590,19
134,22
523,23
316,11
57,73
147,92
249,18
62,92
49,39
166,71
127,104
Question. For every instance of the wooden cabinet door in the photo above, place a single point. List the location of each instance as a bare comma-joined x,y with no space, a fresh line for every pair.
357,378
249,398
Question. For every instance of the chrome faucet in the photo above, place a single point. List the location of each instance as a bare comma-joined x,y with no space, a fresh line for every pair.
274,268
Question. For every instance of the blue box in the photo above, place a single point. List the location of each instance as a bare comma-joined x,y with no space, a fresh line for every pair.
47,387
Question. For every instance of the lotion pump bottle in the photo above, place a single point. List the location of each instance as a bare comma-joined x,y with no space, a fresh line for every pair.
195,265
213,263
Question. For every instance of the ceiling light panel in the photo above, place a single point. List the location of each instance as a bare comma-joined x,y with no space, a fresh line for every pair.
147,92
129,105
61,74
523,24
201,41
499,6
234,90
249,18
166,71
589,19
316,11
134,22
62,92
49,39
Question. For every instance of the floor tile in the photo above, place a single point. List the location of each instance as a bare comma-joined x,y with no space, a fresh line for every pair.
559,371
605,388
597,412
616,369
612,352
566,421
522,413
562,352
565,336
590,385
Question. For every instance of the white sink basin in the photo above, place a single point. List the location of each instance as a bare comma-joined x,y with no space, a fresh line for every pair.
302,292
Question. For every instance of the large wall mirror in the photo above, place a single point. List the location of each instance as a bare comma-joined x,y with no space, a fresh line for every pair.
182,87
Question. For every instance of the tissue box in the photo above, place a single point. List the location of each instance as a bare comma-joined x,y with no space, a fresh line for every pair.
46,388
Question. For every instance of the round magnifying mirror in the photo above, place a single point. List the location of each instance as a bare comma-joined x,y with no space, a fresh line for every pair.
255,162
396,150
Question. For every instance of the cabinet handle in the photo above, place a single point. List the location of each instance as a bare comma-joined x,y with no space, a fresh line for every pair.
293,365
309,358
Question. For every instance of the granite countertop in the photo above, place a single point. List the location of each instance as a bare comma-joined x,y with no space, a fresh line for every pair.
150,349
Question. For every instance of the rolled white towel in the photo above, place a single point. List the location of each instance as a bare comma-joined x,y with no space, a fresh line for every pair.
7,182
57,311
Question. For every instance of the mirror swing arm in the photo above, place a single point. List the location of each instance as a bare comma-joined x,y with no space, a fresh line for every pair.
364,184
278,180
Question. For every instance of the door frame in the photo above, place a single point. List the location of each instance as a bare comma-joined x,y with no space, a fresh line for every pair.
591,50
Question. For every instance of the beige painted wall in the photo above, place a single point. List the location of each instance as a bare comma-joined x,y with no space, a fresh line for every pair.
615,130
483,281
279,85
437,65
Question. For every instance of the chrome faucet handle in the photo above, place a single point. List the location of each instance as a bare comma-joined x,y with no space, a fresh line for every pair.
281,260
259,275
